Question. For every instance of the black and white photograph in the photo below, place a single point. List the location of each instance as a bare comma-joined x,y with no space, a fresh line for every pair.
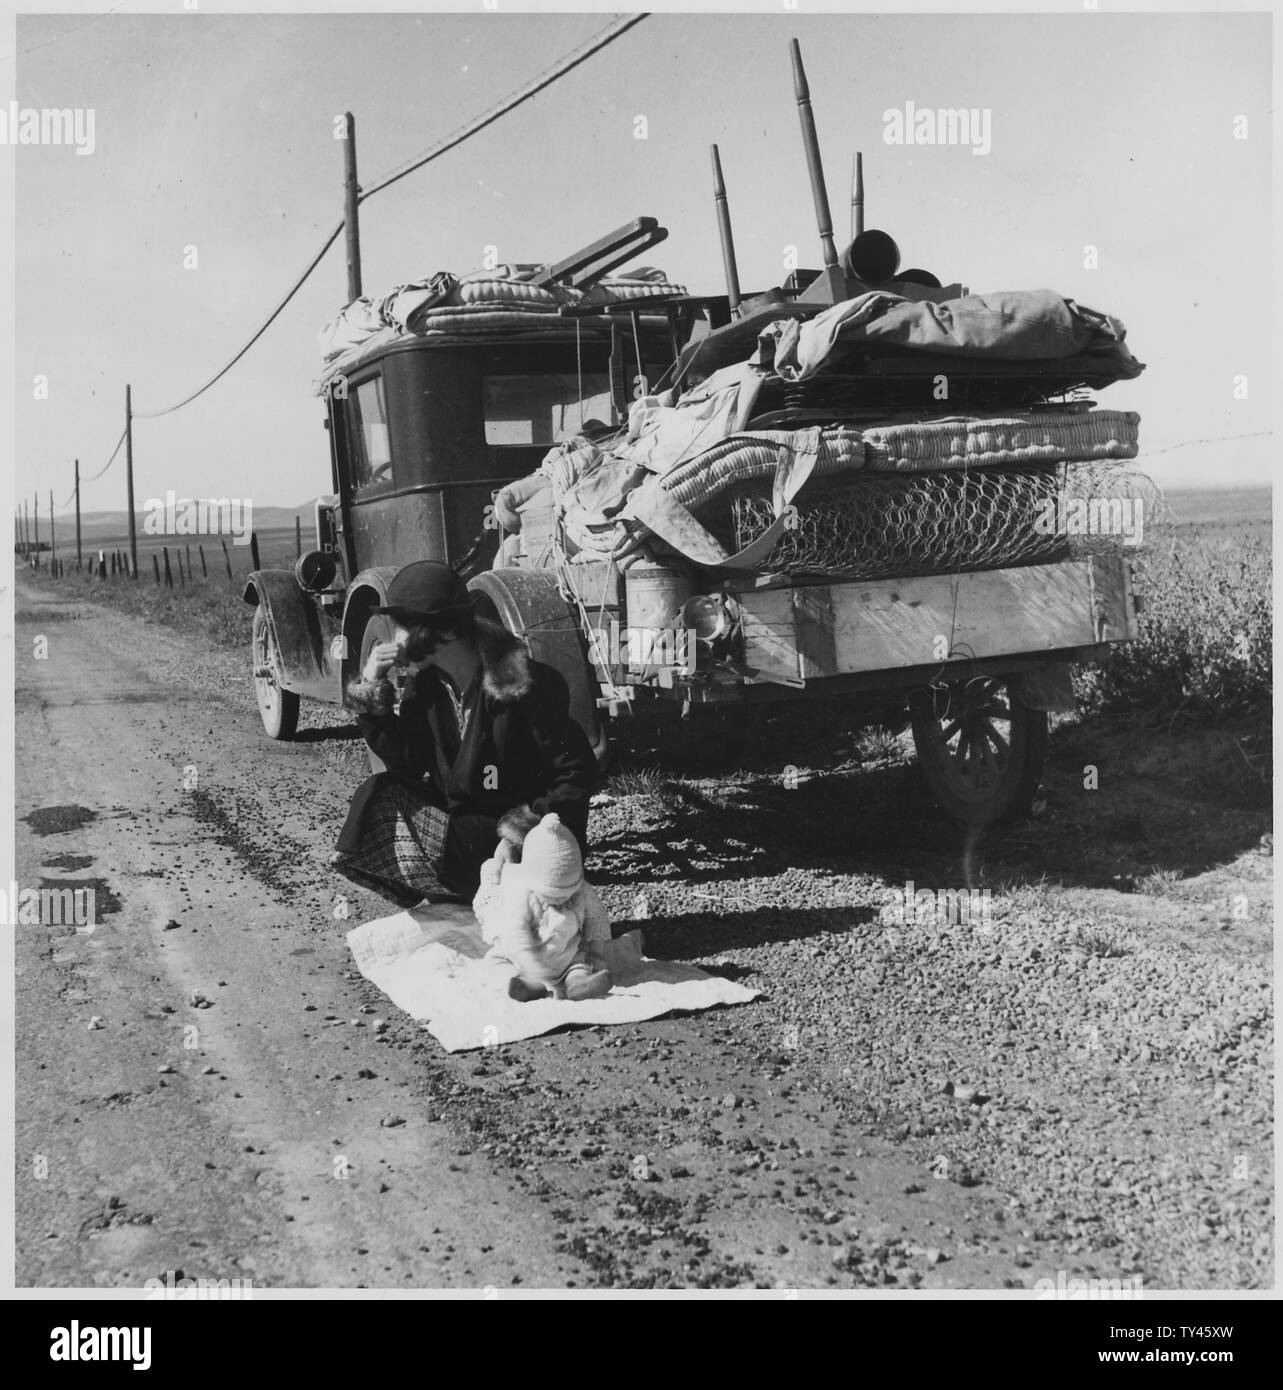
642,660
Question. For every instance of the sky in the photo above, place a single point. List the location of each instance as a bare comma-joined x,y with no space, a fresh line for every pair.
1109,131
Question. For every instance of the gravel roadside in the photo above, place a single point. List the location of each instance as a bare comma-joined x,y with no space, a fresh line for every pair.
1081,1080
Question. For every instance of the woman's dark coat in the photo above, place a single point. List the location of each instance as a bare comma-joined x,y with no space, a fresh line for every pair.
521,746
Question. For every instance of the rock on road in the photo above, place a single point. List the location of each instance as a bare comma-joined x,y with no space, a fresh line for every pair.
204,1084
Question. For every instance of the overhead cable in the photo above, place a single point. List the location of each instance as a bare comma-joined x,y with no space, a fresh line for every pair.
522,94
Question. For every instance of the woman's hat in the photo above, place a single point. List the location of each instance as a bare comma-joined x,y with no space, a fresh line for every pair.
426,591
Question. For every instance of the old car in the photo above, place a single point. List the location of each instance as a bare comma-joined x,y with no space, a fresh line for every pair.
865,520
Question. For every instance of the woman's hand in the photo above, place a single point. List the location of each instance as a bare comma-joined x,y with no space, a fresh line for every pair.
383,656
516,824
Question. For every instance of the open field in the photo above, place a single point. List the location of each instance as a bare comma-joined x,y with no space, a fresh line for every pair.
1206,641
1219,506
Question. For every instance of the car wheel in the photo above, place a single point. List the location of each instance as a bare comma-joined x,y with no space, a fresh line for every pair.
277,708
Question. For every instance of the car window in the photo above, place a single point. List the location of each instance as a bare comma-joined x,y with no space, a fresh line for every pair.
371,445
543,408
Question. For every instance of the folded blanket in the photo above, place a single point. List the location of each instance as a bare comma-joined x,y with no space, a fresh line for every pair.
1013,325
429,962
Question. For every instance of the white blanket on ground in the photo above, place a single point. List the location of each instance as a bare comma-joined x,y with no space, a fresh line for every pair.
429,964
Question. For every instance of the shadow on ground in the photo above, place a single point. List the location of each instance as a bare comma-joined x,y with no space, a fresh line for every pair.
696,935
1126,800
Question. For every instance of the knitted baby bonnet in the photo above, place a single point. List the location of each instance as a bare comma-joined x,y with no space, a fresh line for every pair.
550,862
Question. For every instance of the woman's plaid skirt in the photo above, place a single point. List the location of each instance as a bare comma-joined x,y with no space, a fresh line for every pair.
397,847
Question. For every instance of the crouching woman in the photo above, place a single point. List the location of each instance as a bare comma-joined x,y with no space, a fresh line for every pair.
480,747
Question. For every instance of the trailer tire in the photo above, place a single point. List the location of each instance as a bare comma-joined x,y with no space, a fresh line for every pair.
981,751
277,708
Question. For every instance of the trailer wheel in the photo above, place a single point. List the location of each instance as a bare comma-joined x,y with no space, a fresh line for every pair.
980,749
380,628
277,708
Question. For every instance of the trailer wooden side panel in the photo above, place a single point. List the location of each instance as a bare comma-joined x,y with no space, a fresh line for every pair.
841,629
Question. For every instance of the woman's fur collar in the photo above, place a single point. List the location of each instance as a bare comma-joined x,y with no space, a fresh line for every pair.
371,697
506,674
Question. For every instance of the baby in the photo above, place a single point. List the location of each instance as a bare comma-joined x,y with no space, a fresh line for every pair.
540,916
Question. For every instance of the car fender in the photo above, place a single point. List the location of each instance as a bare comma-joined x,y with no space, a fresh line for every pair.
530,604
369,590
296,630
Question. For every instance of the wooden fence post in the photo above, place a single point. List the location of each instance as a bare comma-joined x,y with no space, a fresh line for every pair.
298,537
228,559
253,550
169,573
113,563
204,573
155,564
102,565
190,572
178,556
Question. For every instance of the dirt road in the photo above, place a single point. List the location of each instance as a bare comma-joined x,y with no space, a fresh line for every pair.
204,1084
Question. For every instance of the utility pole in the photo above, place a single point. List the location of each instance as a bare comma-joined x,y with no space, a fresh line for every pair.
857,197
129,482
78,562
351,198
53,543
35,509
26,528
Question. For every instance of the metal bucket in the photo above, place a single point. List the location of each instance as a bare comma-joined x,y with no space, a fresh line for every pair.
655,595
